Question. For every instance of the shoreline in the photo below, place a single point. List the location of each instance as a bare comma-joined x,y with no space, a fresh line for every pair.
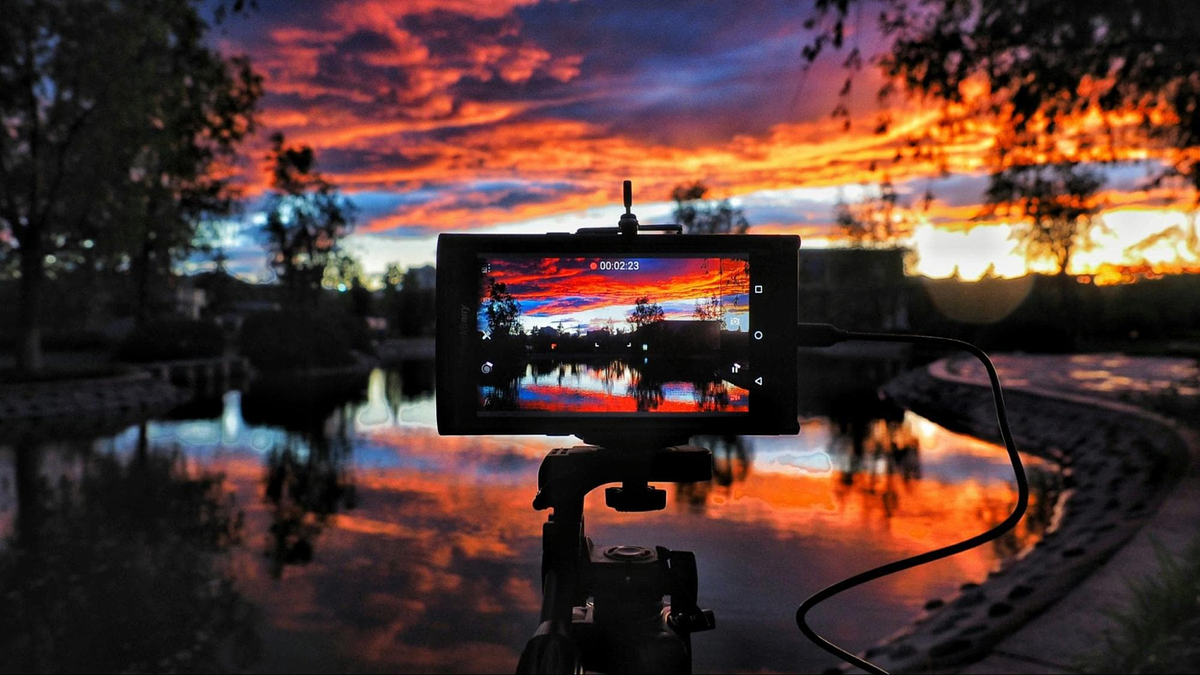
62,408
1106,499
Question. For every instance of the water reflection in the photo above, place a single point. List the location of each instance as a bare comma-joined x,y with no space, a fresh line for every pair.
122,564
877,456
308,480
653,384
390,548
868,462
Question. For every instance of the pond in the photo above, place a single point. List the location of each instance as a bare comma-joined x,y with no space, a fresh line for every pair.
615,385
268,531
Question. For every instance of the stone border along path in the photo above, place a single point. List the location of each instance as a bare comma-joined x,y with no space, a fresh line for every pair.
1116,464
47,410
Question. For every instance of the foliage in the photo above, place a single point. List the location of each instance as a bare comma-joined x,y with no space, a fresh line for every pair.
1050,84
307,217
1056,205
1088,80
296,340
172,338
700,216
343,272
224,9
117,120
124,566
709,310
1156,632
645,313
308,480
502,310
878,220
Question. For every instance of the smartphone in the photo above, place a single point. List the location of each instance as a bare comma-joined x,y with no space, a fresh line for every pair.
649,338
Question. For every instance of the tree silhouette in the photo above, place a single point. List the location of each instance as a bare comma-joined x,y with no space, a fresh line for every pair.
307,482
1056,205
645,313
115,116
878,220
1061,81
306,219
710,309
503,311
700,216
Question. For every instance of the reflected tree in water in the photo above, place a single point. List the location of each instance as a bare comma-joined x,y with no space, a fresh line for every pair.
121,564
710,395
610,373
308,480
731,457
502,396
881,457
646,392
876,456
1045,488
412,382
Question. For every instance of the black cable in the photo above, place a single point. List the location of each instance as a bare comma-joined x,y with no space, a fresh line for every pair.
825,335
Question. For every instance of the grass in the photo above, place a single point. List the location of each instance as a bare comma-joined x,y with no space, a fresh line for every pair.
1159,630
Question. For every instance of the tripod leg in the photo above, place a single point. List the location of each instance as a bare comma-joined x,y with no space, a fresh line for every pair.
552,649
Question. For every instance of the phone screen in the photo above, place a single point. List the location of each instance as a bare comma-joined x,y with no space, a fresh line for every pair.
584,335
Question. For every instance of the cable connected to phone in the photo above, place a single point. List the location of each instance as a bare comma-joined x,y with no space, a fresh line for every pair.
826,335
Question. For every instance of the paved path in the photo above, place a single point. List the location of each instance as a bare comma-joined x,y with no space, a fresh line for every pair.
1074,626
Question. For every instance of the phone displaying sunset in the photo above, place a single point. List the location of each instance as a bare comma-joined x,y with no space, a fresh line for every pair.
614,334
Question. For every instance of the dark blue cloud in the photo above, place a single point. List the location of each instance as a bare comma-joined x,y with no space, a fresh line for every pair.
682,71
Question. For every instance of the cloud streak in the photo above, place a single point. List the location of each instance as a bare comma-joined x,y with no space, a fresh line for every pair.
451,115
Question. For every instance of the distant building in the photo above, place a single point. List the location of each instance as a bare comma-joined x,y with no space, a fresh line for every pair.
855,289
681,337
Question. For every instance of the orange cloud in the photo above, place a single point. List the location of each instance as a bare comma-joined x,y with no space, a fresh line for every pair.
450,97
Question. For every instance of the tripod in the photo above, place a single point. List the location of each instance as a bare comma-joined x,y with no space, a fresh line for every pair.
626,627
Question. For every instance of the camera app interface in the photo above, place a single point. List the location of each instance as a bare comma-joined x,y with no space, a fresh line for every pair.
594,335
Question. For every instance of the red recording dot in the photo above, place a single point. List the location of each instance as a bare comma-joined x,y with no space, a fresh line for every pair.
593,265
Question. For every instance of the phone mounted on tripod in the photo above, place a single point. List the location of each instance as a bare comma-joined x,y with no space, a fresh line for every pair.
657,336
634,344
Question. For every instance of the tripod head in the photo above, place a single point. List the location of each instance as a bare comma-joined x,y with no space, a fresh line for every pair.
568,474
626,626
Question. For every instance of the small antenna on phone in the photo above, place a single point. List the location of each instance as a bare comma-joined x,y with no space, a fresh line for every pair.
628,224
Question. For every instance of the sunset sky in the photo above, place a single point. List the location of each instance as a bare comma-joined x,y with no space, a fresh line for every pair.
524,116
575,294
